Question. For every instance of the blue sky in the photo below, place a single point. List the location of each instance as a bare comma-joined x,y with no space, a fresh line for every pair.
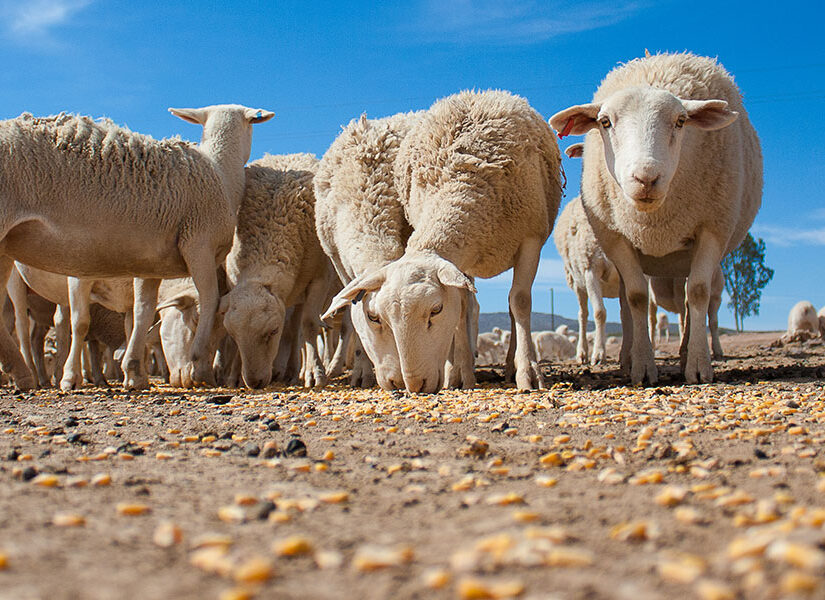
320,64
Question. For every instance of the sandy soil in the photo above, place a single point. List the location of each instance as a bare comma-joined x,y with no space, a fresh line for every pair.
589,490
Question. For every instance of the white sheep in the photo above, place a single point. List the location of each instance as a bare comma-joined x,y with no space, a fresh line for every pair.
478,178
672,180
662,329
821,317
553,346
589,273
90,199
803,321
492,347
276,262
361,224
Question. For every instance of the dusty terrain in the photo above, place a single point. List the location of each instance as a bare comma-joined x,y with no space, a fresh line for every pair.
590,490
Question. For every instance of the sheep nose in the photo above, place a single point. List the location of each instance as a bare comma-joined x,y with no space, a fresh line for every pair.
645,175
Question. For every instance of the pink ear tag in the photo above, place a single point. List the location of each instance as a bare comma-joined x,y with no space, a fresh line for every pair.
567,128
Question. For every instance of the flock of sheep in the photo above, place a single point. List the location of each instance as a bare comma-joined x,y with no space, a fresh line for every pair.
213,272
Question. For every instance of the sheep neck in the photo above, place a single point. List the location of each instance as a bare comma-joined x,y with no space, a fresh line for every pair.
229,151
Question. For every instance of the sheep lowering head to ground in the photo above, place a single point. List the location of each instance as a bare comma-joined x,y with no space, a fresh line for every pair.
478,178
362,227
672,180
90,199
276,262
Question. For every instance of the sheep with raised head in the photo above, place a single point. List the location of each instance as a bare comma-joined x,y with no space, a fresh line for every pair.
803,322
276,262
672,180
361,225
91,199
479,182
588,272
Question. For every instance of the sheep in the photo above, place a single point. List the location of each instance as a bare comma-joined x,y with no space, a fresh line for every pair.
821,317
361,224
478,178
671,182
276,262
492,347
661,329
588,272
553,346
90,199
803,322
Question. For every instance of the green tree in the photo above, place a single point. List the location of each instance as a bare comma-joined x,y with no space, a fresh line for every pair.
745,275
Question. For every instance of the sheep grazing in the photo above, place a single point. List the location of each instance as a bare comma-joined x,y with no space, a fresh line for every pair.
554,346
361,226
589,273
90,199
276,262
803,322
478,178
671,182
492,347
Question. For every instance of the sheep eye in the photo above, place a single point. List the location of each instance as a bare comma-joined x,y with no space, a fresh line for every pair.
373,317
436,310
680,122
605,121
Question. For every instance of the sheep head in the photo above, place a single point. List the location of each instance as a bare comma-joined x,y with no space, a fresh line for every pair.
254,317
406,314
642,130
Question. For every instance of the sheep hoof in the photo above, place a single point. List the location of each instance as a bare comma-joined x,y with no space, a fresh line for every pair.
25,383
71,382
136,382
530,378
644,369
699,369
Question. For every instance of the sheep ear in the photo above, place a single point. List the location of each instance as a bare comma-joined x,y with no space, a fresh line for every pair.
576,120
355,291
709,114
193,115
575,150
258,115
449,274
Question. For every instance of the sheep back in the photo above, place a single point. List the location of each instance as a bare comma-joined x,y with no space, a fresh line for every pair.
477,176
360,221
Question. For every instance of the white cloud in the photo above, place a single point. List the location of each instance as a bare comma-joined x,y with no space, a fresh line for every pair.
517,21
37,17
790,236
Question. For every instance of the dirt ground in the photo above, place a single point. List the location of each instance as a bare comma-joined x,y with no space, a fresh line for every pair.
590,490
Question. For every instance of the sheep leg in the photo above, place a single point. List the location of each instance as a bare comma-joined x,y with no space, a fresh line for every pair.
627,330
362,371
581,344
62,329
95,364
143,315
38,343
9,351
528,373
314,373
458,370
509,360
705,262
111,368
713,314
201,264
79,300
652,325
642,364
594,292
17,291
338,362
